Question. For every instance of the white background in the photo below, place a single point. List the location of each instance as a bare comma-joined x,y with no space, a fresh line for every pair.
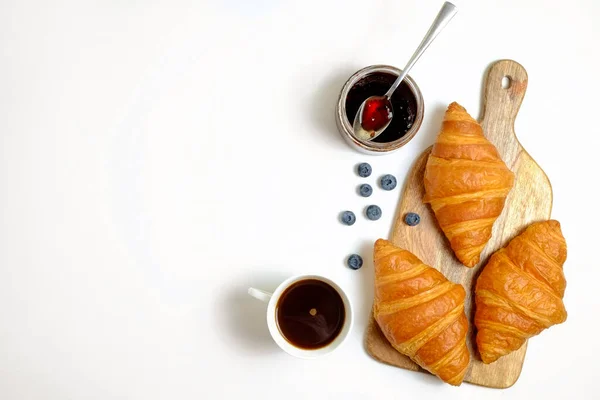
158,157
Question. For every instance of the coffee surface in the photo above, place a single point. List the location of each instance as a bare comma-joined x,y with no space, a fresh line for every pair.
310,314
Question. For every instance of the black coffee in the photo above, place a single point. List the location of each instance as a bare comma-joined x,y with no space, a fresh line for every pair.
310,314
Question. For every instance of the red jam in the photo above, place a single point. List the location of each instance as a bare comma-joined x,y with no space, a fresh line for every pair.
376,114
403,100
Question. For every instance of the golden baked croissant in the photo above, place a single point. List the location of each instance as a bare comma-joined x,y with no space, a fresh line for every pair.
519,292
466,183
420,312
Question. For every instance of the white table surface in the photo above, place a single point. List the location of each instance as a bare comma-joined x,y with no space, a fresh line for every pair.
138,202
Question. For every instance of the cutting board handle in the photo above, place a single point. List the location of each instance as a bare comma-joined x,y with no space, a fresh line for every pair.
502,103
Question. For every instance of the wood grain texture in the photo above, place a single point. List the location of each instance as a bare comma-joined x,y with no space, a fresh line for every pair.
530,200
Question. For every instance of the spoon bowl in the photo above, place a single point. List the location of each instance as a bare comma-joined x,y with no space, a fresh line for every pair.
373,117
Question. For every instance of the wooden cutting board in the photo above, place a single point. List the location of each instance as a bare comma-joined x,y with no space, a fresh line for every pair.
530,200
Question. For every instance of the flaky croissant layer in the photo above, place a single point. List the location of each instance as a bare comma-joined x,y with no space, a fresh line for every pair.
466,183
420,312
519,292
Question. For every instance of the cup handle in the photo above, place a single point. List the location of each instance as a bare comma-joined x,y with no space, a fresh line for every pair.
260,294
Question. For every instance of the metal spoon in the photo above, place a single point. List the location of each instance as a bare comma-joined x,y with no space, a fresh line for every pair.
380,110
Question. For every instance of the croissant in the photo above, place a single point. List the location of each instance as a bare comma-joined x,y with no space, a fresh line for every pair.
519,292
420,312
466,183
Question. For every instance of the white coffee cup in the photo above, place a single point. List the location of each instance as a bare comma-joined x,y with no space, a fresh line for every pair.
273,298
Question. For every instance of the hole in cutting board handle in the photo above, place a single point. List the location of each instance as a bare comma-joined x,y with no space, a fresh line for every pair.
506,81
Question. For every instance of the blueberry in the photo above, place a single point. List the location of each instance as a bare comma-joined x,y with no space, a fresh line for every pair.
348,218
365,190
355,261
373,212
388,182
364,169
412,219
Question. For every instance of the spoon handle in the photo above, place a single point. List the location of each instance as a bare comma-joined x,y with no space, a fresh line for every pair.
444,16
